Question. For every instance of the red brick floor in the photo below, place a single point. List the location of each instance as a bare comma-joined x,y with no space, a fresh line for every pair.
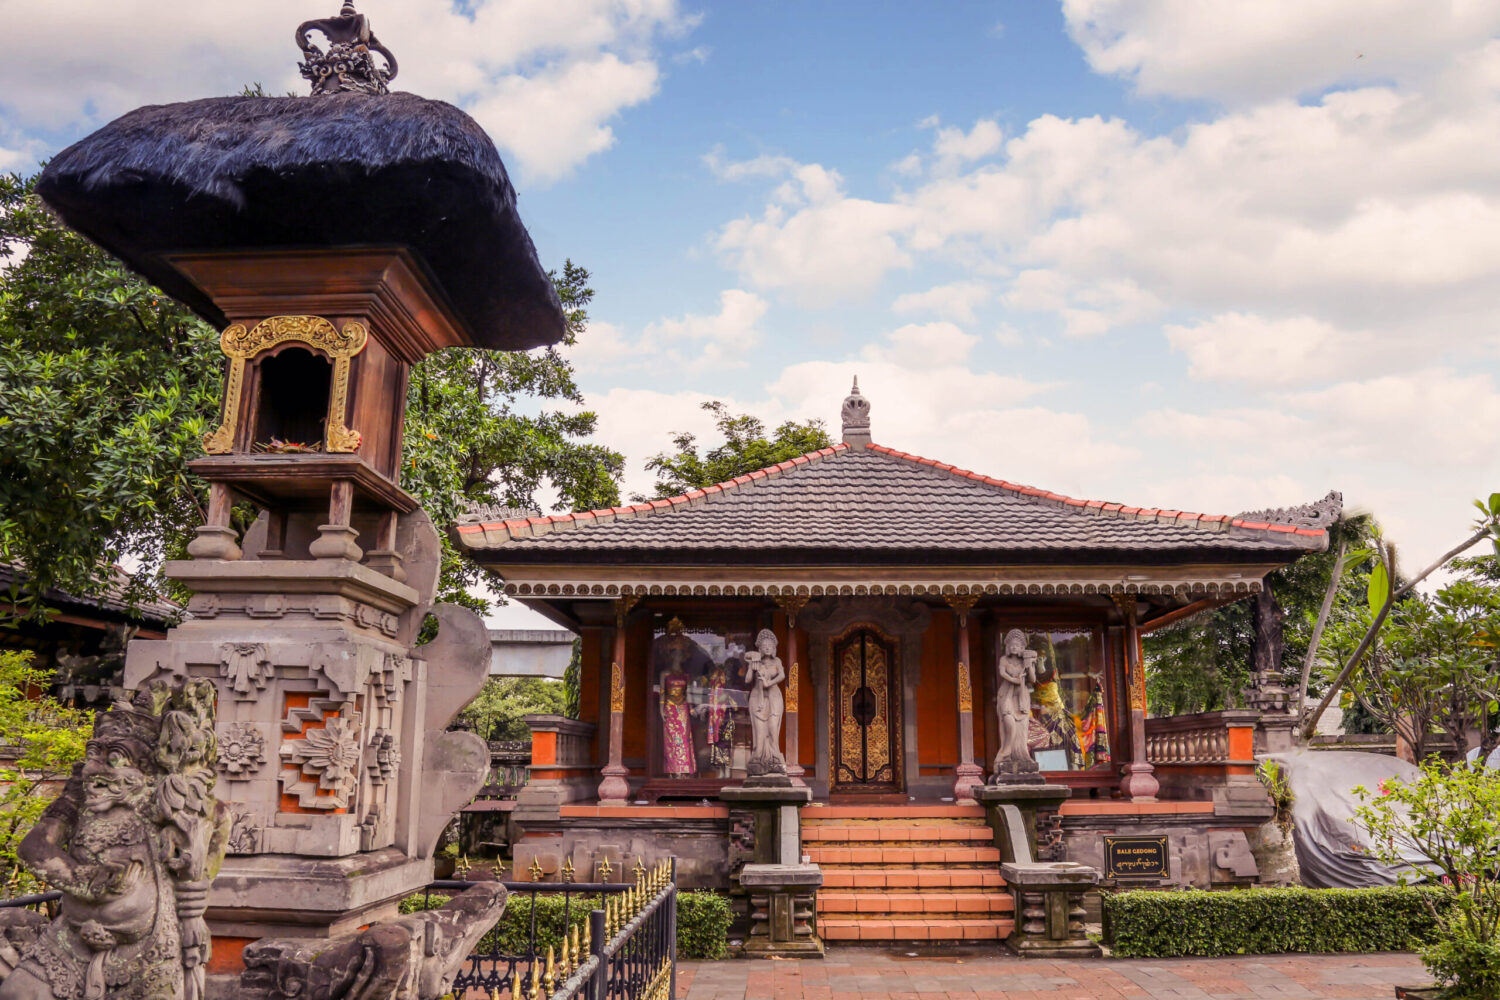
994,974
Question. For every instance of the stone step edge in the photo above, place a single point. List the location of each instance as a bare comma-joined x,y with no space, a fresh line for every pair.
813,813
869,904
914,930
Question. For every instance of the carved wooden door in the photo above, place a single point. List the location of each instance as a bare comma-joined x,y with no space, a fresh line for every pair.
866,714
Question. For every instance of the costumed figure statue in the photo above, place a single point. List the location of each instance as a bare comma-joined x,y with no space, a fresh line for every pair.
1015,668
718,719
765,673
676,714
133,842
1053,728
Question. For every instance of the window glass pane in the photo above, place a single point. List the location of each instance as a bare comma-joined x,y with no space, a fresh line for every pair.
699,698
1069,722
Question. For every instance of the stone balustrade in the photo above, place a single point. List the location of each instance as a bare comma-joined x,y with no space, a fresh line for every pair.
1205,738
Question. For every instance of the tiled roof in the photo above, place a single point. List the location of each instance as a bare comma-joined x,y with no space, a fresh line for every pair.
876,499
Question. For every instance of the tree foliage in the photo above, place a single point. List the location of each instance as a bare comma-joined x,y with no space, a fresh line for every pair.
745,449
498,712
1204,662
40,740
107,387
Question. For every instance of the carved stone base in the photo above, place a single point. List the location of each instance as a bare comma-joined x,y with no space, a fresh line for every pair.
336,541
214,543
614,790
1049,909
388,562
967,777
783,910
1011,811
1139,783
1016,772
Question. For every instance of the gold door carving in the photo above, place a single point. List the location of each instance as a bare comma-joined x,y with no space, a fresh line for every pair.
866,714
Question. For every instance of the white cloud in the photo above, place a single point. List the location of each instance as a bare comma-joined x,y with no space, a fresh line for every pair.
545,77
1241,50
1242,347
689,343
954,147
923,345
956,301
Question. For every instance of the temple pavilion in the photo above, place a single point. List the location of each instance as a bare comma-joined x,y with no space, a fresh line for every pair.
886,579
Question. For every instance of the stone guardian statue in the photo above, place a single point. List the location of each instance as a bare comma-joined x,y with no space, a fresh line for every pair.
133,842
1016,669
765,673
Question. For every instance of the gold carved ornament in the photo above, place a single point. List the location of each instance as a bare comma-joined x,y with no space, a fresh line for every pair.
616,687
965,691
791,688
241,345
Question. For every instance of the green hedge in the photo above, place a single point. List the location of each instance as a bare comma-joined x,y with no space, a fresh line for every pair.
1146,924
703,920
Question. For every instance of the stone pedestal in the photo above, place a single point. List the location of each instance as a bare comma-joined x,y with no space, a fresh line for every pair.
1016,828
1049,912
780,889
783,910
333,751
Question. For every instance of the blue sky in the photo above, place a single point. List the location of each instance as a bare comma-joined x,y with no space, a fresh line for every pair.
1202,256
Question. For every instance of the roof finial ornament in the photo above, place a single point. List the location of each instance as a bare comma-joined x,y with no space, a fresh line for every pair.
856,416
349,65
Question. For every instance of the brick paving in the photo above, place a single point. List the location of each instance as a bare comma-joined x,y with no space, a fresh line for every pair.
850,973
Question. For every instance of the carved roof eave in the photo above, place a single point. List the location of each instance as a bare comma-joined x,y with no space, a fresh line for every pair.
606,582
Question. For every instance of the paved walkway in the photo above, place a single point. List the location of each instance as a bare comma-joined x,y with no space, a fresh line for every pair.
994,974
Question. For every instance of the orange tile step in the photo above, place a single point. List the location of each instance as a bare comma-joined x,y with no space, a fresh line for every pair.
902,905
896,856
815,813
872,929
912,878
887,833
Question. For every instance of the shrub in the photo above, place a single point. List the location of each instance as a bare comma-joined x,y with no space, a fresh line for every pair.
703,920
1452,816
1149,924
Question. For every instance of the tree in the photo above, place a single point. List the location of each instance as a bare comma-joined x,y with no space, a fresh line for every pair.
107,387
40,740
745,449
1207,661
498,712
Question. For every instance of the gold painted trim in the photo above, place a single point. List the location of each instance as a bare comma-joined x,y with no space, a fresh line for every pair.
791,688
965,691
616,687
240,346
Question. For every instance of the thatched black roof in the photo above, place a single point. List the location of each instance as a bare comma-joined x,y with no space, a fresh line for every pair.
295,172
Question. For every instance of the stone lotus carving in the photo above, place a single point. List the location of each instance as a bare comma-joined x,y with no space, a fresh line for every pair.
133,841
247,667
242,750
322,767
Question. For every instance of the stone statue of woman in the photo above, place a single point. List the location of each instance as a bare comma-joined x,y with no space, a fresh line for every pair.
1016,668
765,673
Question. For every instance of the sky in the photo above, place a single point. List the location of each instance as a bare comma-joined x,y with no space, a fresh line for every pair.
1212,257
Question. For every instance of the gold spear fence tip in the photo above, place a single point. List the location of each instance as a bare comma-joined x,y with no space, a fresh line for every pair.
515,984
535,871
639,870
549,974
536,979
568,870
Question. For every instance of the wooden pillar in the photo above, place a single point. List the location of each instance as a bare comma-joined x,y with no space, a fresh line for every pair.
614,790
215,538
792,604
1139,782
968,775
336,538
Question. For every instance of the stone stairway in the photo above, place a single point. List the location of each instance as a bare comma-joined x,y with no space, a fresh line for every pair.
907,873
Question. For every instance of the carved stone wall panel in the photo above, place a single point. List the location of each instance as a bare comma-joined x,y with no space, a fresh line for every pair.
321,754
246,668
242,750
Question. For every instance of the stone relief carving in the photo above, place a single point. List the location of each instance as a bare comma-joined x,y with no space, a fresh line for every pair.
1015,671
411,958
1318,514
855,415
133,842
383,756
765,673
247,667
242,750
390,678
322,767
349,65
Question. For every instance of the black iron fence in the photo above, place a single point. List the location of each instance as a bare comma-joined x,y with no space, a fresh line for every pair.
35,901
611,941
